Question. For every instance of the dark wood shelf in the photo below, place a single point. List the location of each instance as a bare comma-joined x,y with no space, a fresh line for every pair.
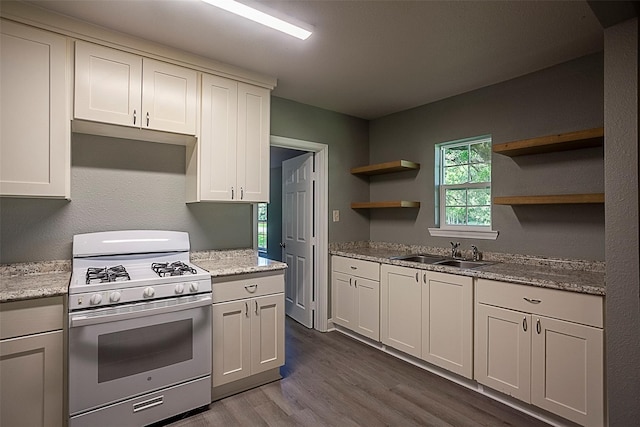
550,199
386,204
388,167
548,144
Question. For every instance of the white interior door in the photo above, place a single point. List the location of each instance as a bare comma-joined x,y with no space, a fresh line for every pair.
297,237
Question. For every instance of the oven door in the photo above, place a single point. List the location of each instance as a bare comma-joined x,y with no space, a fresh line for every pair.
121,352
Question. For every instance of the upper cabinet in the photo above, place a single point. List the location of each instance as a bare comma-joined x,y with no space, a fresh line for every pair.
231,161
35,132
124,89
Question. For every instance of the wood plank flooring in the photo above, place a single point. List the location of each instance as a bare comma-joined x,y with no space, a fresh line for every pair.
330,379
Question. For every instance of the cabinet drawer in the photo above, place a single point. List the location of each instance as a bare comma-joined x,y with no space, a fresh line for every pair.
571,306
356,267
231,288
28,317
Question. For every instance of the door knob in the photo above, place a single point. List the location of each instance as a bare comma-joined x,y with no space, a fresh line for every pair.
283,245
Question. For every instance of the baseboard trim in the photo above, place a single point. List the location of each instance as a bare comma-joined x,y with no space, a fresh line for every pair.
245,384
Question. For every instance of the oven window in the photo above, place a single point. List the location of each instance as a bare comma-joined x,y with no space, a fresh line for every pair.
125,353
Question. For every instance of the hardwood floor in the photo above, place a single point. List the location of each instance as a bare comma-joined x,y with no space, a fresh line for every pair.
332,380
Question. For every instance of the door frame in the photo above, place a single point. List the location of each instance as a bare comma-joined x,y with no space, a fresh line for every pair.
321,215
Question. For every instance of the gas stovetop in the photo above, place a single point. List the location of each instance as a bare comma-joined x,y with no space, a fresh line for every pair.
121,267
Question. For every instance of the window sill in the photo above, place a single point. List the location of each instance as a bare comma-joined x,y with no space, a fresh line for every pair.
468,234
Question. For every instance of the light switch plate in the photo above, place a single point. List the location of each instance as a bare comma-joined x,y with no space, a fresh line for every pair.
336,215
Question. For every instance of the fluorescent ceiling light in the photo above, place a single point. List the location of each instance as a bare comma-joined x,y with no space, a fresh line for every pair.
260,17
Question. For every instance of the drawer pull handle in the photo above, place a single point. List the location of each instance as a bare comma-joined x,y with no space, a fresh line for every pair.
355,283
538,327
353,267
424,278
524,324
148,404
256,307
251,288
246,309
532,301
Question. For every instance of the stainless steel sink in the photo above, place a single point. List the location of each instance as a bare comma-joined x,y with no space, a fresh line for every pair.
462,263
422,259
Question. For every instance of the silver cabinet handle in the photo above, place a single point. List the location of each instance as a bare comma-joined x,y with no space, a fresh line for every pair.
424,278
353,267
524,324
538,326
134,117
251,288
417,281
231,193
355,283
148,404
533,301
241,193
350,281
256,307
246,309
147,119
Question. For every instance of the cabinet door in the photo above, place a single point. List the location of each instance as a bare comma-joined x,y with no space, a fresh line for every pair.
31,387
400,309
218,139
567,370
342,295
503,350
108,85
267,333
168,97
35,131
231,343
253,143
367,307
447,322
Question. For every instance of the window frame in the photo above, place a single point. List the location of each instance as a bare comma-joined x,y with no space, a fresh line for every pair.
442,229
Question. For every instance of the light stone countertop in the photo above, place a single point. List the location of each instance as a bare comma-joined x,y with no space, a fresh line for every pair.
567,275
29,280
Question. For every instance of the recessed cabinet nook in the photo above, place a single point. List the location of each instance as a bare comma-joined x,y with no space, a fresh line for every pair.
88,80
541,346
384,168
548,144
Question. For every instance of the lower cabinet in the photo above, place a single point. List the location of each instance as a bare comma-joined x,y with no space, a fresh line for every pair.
31,363
248,326
356,295
542,346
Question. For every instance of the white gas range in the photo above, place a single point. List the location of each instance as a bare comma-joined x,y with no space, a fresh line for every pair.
139,328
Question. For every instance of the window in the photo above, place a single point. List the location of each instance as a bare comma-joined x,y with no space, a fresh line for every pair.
463,187
262,227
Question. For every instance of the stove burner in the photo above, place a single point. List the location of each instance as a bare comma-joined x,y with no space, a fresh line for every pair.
177,268
103,275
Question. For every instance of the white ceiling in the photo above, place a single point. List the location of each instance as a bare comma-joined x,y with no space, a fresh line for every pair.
366,58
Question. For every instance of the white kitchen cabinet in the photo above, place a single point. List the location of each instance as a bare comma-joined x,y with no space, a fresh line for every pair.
35,154
401,308
231,162
121,88
31,363
447,321
542,346
248,326
356,295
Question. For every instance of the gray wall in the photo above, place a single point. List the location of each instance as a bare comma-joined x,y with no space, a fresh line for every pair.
348,139
118,184
563,98
622,213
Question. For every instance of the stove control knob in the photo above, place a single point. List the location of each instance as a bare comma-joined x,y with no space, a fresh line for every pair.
95,299
115,296
179,288
193,286
148,292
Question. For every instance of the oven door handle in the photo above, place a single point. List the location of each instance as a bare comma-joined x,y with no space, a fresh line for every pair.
95,318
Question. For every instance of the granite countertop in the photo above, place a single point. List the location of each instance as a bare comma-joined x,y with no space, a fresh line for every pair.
568,275
34,280
22,281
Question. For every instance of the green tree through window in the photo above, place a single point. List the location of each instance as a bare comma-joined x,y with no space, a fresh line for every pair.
463,169
262,227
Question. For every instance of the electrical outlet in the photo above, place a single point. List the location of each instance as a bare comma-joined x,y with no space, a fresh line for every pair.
336,215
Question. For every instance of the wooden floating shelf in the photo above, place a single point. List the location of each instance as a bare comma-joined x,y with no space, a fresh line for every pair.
388,167
550,199
387,204
552,143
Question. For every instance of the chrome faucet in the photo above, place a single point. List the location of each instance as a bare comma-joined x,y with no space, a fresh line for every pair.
454,249
475,255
